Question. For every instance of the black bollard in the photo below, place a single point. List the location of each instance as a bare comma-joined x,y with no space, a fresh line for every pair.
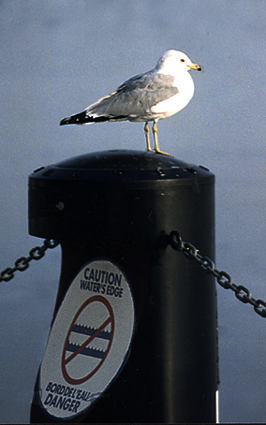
134,333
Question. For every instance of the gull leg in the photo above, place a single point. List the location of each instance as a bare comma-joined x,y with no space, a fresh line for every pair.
156,146
146,130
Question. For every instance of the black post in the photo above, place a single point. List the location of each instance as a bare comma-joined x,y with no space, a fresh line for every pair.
134,335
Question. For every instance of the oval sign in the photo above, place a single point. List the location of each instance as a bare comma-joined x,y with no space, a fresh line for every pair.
89,341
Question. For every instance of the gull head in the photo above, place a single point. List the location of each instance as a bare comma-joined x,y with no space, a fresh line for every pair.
173,62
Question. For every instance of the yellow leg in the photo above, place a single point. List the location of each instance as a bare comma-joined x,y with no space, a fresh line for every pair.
146,130
156,146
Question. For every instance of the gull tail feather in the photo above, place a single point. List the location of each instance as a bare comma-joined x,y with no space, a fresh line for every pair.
83,118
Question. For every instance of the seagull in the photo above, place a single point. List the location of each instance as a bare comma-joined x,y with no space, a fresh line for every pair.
151,96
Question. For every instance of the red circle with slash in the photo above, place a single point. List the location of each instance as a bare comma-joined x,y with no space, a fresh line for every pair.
109,320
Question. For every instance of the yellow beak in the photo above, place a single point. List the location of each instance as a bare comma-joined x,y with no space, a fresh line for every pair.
194,66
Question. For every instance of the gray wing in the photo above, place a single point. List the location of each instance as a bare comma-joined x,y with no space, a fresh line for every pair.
135,96
150,81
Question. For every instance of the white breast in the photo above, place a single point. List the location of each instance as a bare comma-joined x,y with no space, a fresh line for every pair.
174,104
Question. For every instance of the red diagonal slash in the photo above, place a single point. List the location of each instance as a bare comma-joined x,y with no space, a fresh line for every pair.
87,342
110,319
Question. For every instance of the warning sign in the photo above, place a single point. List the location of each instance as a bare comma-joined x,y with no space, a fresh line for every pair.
89,340
96,307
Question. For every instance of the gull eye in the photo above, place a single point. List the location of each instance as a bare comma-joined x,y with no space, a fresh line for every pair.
182,60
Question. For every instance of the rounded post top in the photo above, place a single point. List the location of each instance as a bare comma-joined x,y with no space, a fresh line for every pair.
121,164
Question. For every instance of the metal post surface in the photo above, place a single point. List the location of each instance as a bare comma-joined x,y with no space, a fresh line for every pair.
121,205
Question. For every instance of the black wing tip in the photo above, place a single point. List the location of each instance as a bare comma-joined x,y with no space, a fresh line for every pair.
64,121
81,118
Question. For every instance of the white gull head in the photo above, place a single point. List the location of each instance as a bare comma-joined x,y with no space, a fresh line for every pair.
174,62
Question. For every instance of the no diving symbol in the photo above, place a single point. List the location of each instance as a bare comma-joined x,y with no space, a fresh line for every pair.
89,340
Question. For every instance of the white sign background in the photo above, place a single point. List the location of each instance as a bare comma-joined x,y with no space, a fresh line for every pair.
89,341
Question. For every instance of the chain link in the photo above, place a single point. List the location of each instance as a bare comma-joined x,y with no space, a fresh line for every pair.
190,251
224,279
23,263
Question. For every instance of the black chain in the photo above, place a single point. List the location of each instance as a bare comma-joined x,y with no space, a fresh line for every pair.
23,263
190,251
223,278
